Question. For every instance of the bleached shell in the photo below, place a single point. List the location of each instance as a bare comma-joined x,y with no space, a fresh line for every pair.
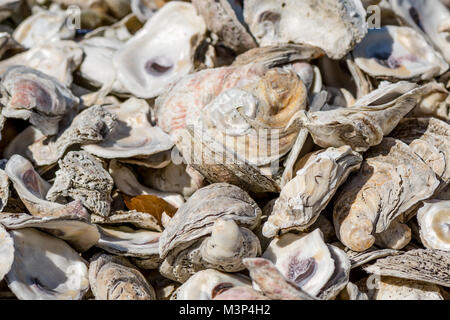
393,52
126,181
397,236
82,177
240,293
76,231
44,26
161,52
225,18
435,103
57,59
303,198
419,264
46,268
32,190
6,252
340,276
391,288
127,242
360,258
206,284
91,125
4,189
276,22
141,220
428,18
32,95
364,124
383,189
303,259
351,292
195,218
115,278
133,135
434,222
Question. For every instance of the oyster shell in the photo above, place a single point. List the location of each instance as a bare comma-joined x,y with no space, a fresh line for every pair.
393,52
207,284
6,252
82,177
434,222
361,258
32,95
115,278
225,18
435,103
240,293
133,135
381,191
4,189
76,231
351,292
273,22
57,59
340,277
390,288
142,65
272,283
304,197
420,265
46,268
396,236
364,124
141,220
32,190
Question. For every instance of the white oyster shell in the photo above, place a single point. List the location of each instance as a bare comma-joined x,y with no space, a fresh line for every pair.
46,268
162,51
391,288
6,252
434,222
276,22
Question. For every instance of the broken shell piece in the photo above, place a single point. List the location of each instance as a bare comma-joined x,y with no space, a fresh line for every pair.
390,288
91,125
341,274
435,103
351,292
396,236
275,22
4,189
127,242
434,222
430,18
364,124
303,259
207,284
32,95
141,220
6,252
420,265
126,181
240,293
133,135
393,52
382,190
61,273
44,26
303,198
115,278
272,283
144,67
360,258
32,190
82,177
225,18
76,231
57,59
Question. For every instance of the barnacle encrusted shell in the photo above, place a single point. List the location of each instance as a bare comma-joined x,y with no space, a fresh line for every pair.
307,194
383,189
115,278
207,284
82,177
133,135
275,22
364,124
303,259
393,52
91,125
6,252
225,18
76,231
434,222
32,190
32,95
46,268
419,264
162,51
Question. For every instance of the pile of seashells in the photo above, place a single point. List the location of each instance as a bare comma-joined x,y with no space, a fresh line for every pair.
225,149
